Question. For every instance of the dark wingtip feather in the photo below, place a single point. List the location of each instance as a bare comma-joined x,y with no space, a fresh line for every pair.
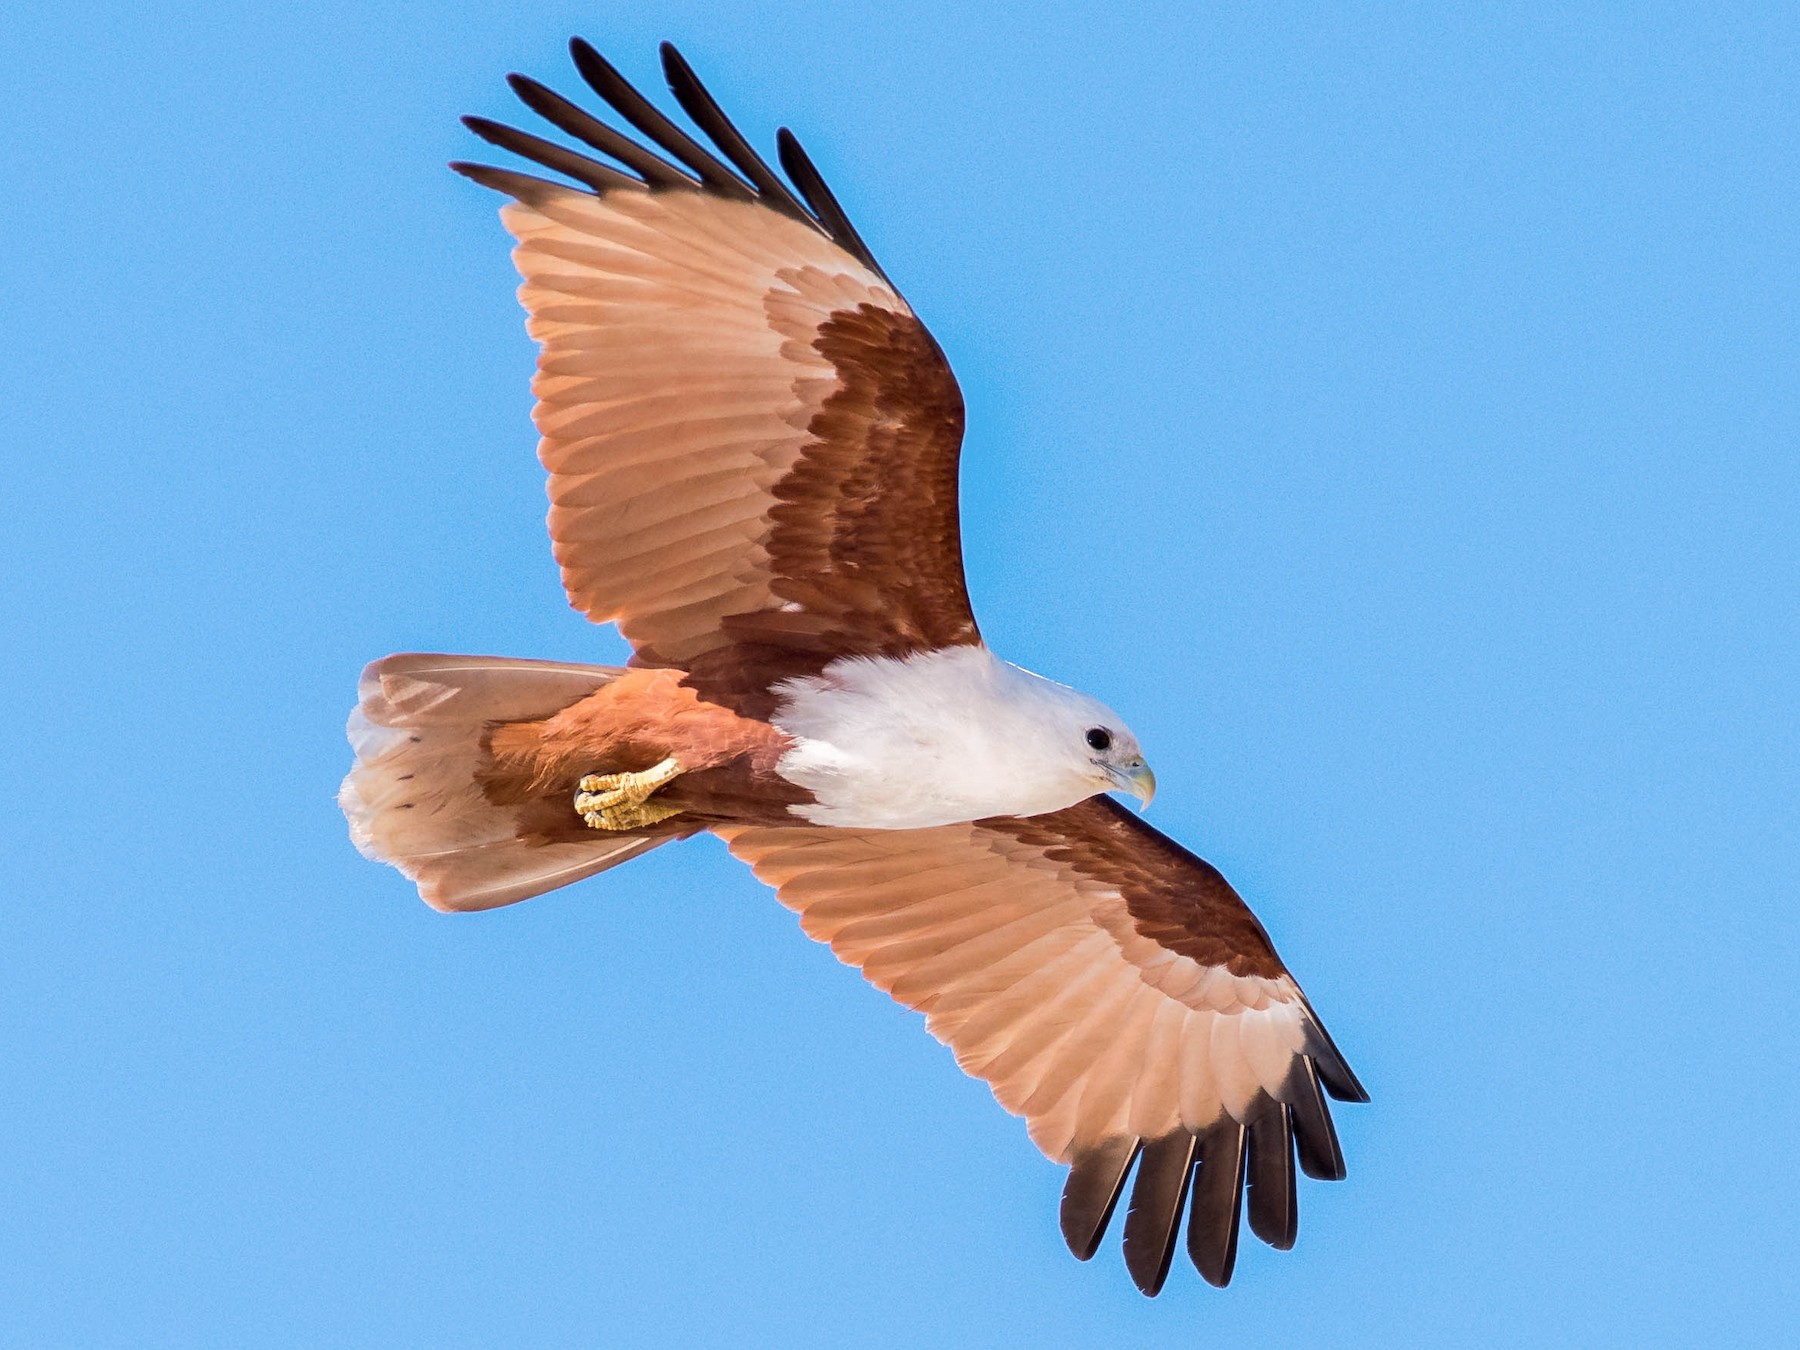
587,58
523,186
825,207
1273,1202
1340,1082
1158,1196
625,100
1315,1137
591,131
704,109
601,178
689,164
1096,1180
1334,1070
1212,1239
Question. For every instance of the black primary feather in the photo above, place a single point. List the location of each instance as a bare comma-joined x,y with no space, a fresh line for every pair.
1315,1137
1096,1180
710,118
590,130
811,183
1212,1238
643,114
694,167
1157,1197
551,155
1273,1202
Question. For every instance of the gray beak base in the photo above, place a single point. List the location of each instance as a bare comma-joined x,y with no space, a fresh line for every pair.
1136,779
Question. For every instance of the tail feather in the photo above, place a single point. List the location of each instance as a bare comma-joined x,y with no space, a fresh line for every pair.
413,798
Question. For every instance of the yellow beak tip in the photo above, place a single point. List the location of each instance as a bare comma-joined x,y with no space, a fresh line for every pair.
1149,791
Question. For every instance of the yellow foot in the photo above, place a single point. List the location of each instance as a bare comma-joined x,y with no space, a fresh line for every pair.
621,801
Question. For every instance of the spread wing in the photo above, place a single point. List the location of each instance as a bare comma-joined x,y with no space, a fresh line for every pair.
1112,989
752,441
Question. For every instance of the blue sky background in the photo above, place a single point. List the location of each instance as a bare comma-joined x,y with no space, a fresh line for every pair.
1393,413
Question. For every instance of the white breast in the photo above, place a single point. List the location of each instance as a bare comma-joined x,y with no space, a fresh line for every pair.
951,735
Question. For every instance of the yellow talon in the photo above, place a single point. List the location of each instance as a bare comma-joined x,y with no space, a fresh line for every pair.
621,801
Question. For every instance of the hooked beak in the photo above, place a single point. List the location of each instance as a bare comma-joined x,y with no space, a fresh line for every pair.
1136,779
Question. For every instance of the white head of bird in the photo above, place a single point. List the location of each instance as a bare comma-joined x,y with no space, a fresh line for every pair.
950,735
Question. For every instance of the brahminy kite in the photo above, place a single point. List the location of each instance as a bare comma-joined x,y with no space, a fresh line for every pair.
752,447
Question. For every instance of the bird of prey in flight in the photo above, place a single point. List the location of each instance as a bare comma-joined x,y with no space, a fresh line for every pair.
752,449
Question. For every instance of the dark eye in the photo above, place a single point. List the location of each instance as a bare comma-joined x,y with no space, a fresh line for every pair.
1100,738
